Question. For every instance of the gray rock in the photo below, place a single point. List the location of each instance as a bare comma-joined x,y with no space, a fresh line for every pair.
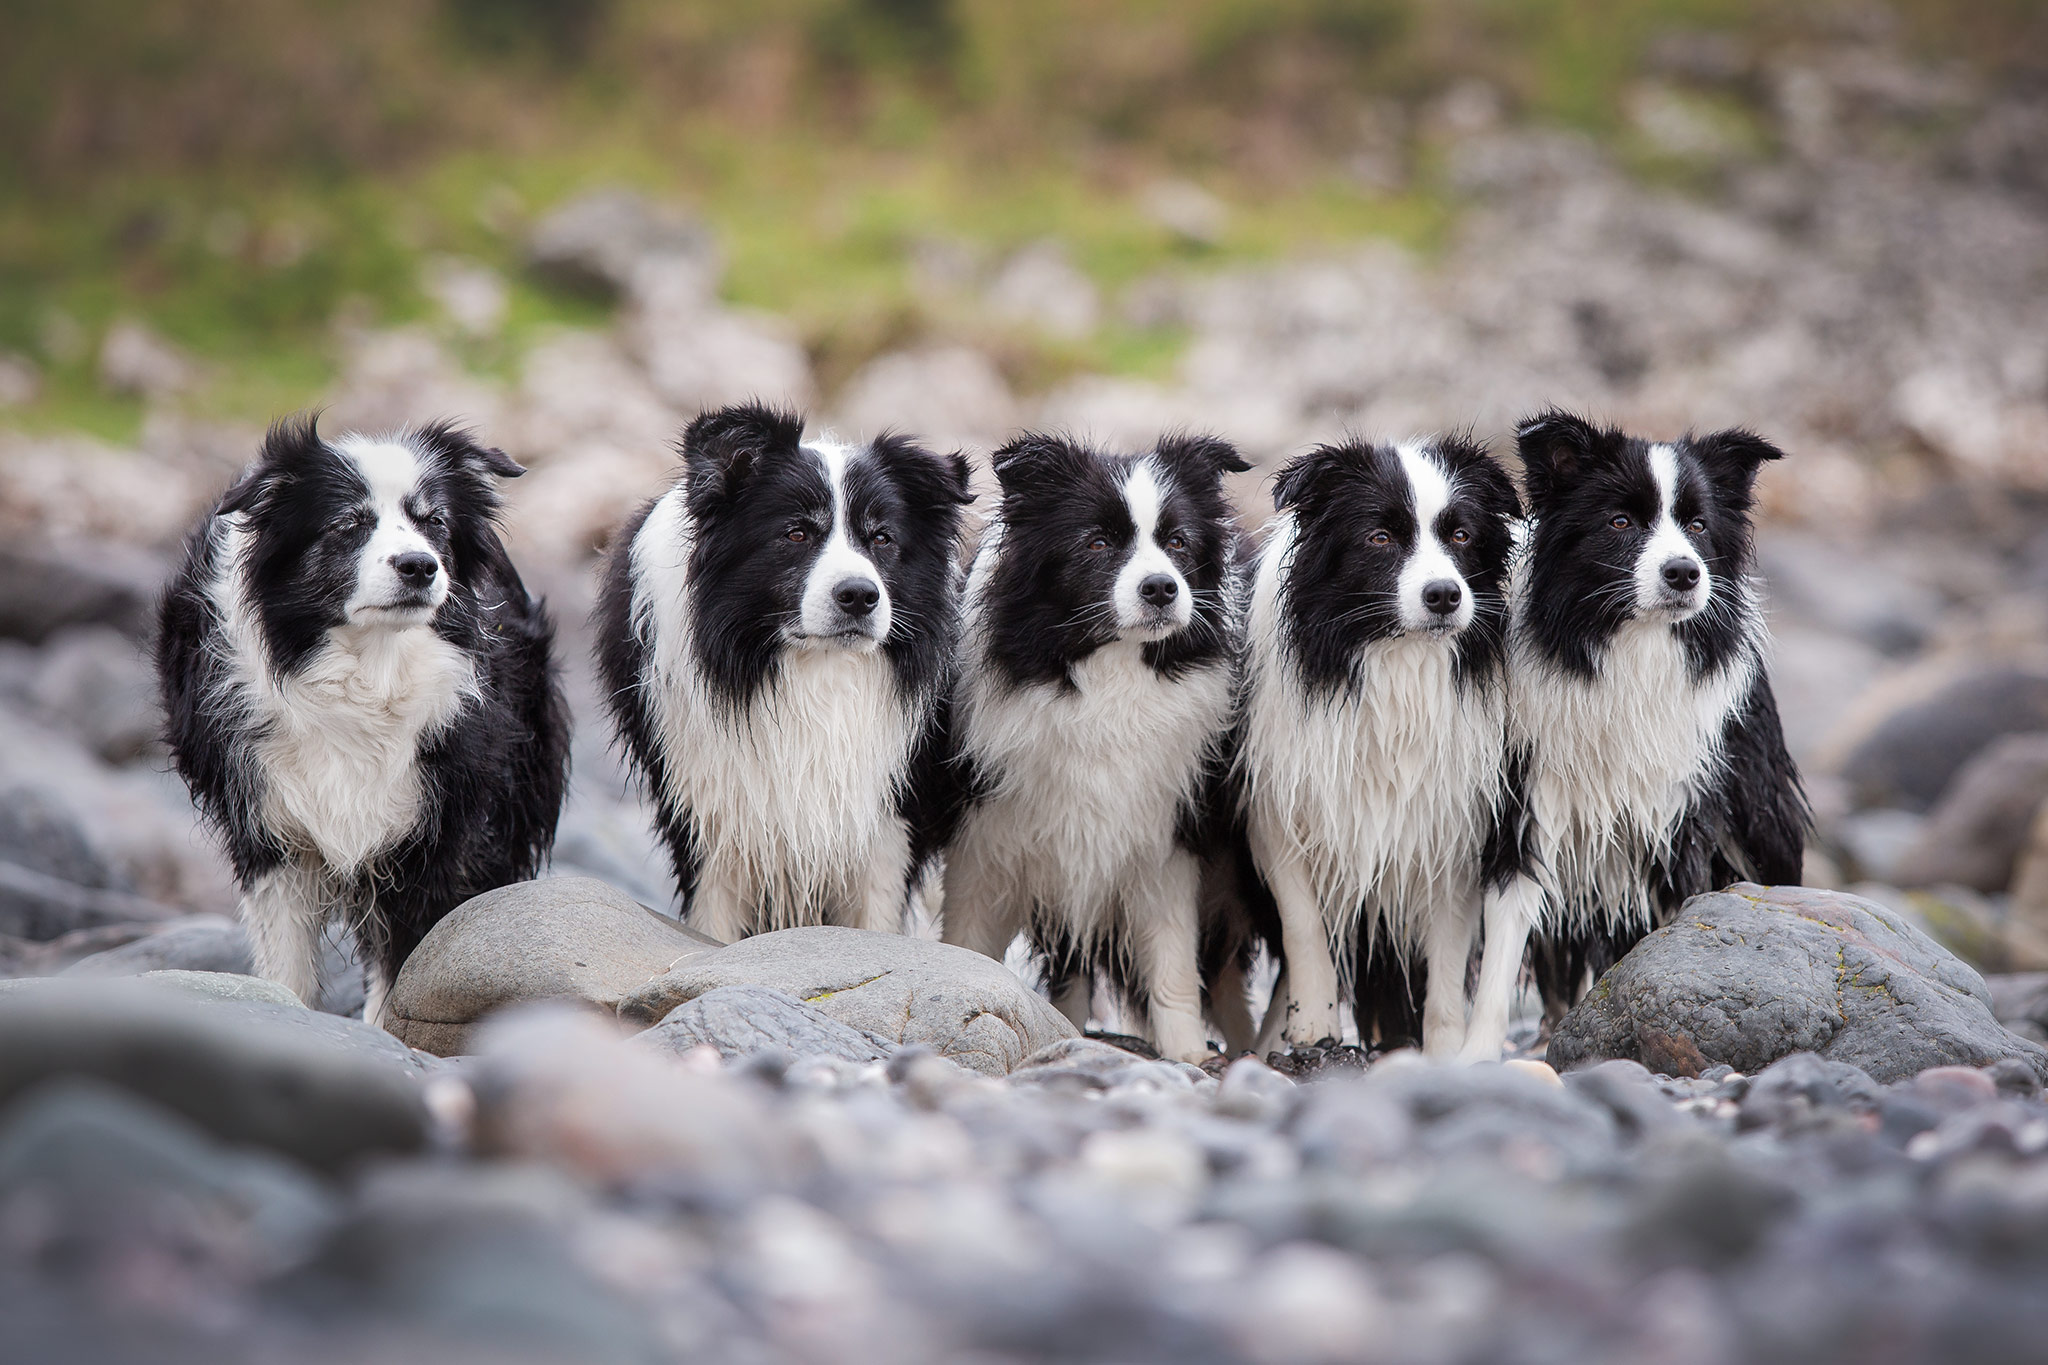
742,1020
323,1090
95,682
1975,833
45,587
1749,975
1909,758
595,242
197,943
223,985
35,905
110,1160
42,833
563,938
2019,1000
966,1007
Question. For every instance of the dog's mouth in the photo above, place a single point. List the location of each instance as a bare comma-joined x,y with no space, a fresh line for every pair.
855,638
407,610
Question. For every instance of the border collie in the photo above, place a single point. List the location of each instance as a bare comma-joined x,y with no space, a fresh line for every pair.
1650,761
1373,722
360,693
1101,643
775,639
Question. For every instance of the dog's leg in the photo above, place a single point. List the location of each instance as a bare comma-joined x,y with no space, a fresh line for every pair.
283,911
888,881
1447,936
1075,998
1166,932
980,908
1510,914
1311,1010
1231,1009
719,908
1276,1014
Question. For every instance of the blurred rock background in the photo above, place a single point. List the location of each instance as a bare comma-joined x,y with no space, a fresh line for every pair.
572,223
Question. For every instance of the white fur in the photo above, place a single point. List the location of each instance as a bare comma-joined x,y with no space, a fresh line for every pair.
1366,809
794,800
1667,542
392,471
820,618
1430,560
1144,493
1078,822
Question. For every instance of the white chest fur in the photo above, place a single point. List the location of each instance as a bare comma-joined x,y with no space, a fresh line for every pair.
1382,793
1084,784
337,742
793,797
1615,760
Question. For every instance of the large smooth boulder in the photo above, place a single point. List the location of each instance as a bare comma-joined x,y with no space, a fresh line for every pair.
742,1020
323,1090
1748,975
563,938
964,1006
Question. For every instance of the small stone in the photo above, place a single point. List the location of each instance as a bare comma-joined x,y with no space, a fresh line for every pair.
1977,831
1530,1066
595,242
135,360
206,944
225,986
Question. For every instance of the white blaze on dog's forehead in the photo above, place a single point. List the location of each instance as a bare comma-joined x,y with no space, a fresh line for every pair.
841,559
1664,469
1430,491
390,469
1144,496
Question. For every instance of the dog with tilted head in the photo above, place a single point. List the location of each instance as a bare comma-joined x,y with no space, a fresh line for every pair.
360,693
1370,763
775,640
1649,763
1100,655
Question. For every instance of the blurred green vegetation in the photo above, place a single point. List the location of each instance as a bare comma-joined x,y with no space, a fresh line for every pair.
243,174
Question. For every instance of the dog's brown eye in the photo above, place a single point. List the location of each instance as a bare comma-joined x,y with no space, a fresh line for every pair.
1620,523
1379,538
1461,536
798,535
1698,526
1098,543
881,539
1176,541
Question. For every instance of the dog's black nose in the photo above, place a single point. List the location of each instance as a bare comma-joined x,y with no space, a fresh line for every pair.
1159,589
1442,595
1681,574
857,596
416,568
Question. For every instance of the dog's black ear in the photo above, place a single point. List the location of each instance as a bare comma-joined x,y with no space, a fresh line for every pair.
1555,447
1473,463
287,446
1731,459
495,461
1304,477
1199,457
936,478
1038,464
721,447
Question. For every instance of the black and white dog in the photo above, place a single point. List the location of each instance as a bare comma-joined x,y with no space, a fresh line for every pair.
1649,758
360,693
1373,729
1101,642
775,639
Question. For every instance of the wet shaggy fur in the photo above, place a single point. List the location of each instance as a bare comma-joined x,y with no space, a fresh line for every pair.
1650,757
1101,642
775,639
361,694
1373,740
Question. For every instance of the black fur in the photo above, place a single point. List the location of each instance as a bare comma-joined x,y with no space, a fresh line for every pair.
494,779
1750,822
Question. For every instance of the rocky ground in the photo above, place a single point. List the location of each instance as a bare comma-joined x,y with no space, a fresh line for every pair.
855,1180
